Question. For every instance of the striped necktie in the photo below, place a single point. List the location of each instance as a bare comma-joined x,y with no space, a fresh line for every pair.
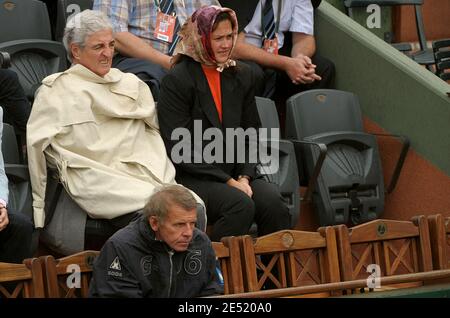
268,21
168,7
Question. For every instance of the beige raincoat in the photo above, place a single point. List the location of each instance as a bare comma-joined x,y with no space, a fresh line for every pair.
102,135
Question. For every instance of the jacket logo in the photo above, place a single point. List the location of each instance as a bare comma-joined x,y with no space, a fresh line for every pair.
146,264
116,264
193,262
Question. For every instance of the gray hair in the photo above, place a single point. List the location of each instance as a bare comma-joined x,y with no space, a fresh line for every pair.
166,196
82,25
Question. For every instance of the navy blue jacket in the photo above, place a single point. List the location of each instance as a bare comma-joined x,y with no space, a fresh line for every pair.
133,263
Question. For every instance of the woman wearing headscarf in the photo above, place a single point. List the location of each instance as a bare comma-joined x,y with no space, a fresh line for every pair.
205,96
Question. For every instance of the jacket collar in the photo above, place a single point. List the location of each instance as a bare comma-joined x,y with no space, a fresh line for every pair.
113,76
227,86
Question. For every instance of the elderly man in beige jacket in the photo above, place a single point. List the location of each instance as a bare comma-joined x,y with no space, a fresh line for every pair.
98,127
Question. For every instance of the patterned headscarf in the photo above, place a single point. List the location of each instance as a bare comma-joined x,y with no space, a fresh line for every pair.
195,37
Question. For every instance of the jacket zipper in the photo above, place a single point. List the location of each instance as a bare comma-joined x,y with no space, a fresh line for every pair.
171,272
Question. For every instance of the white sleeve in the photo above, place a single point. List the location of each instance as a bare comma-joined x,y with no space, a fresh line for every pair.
302,17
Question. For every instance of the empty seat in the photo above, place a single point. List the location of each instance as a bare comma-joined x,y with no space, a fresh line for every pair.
24,19
33,60
286,176
350,186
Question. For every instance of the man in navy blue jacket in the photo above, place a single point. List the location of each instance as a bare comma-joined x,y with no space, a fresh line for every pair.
161,254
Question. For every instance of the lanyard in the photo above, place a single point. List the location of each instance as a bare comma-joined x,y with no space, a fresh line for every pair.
158,4
277,22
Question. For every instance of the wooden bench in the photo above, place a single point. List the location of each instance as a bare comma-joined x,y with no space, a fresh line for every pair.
440,240
68,277
228,254
384,248
22,280
290,258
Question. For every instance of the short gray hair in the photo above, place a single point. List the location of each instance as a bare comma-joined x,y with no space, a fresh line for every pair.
166,196
82,25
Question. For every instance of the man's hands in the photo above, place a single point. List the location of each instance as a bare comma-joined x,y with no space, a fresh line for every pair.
4,220
242,184
301,70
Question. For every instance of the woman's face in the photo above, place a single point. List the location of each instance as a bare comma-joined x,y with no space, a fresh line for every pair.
97,52
222,41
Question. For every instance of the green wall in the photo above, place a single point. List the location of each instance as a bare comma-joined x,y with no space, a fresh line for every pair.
360,16
395,92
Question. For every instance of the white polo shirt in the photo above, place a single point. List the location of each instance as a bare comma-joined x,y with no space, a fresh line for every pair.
295,16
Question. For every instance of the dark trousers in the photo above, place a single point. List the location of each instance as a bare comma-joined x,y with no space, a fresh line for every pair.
16,108
15,239
232,212
148,72
98,231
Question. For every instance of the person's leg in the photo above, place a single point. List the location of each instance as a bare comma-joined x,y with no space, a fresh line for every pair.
98,231
271,212
230,210
15,239
16,107
148,72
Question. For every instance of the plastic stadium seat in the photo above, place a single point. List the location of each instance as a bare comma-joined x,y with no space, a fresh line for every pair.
65,9
441,50
33,60
17,173
424,56
286,176
24,19
350,185
19,185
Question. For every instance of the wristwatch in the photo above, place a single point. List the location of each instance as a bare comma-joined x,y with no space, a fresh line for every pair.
244,176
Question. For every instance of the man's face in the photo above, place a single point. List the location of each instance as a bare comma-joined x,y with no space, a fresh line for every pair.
97,52
222,41
177,229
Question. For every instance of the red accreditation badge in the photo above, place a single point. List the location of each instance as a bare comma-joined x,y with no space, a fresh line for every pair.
271,46
165,26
